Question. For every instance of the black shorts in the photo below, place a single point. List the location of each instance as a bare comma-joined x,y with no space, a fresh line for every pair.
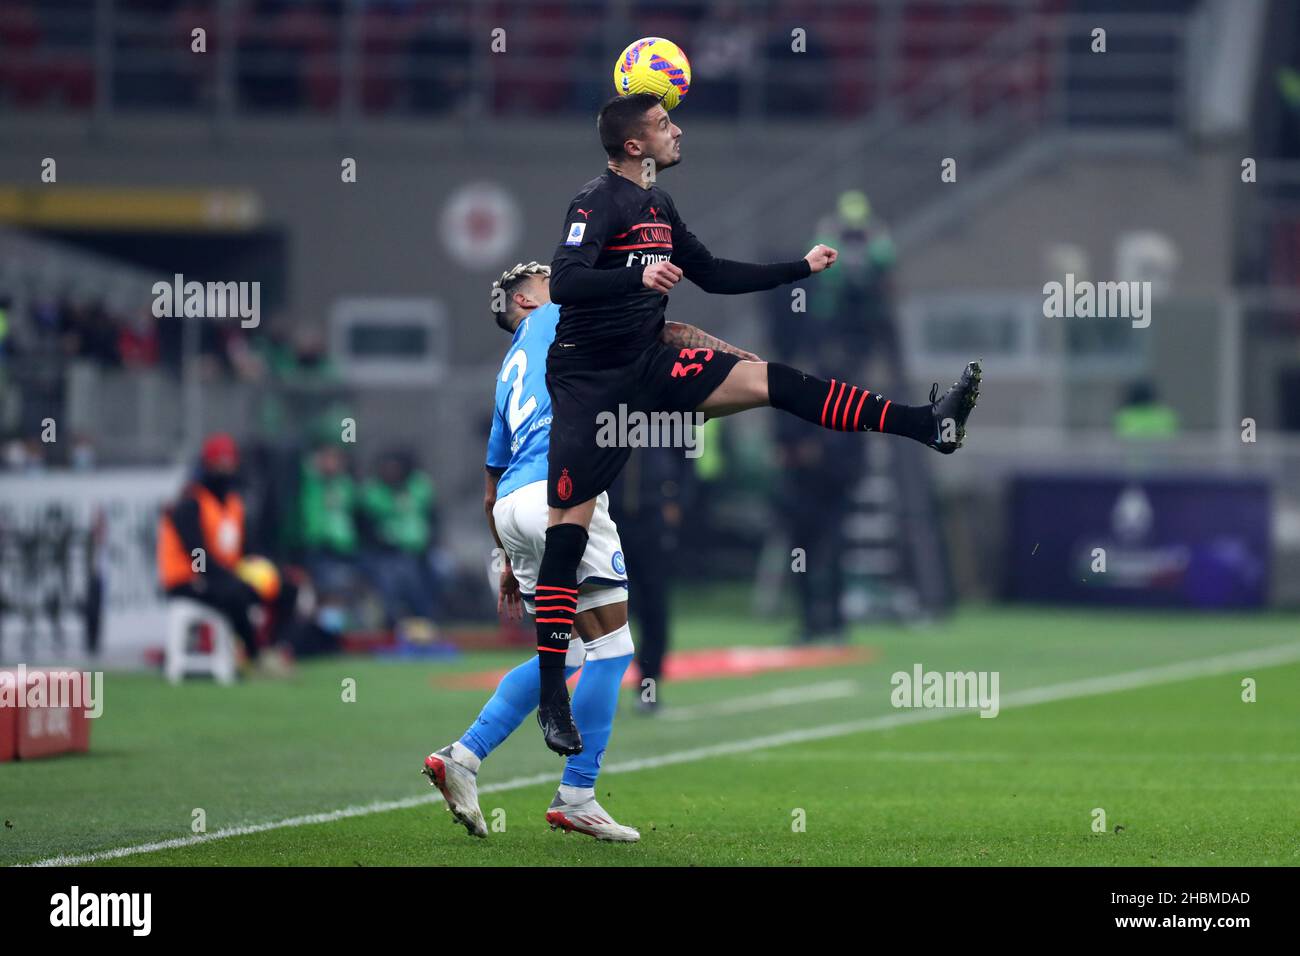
585,407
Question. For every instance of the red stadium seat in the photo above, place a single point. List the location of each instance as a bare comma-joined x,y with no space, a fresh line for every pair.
321,82
848,35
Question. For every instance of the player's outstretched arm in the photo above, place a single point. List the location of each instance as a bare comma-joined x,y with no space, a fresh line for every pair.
728,277
682,336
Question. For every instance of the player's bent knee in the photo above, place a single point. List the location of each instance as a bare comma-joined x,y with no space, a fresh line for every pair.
745,387
747,384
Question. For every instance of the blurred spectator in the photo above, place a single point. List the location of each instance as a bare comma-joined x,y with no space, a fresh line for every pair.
308,397
398,521
817,470
1144,416
308,360
646,502
25,455
87,331
137,340
855,301
1288,88
218,342
208,519
83,456
274,348
6,342
327,504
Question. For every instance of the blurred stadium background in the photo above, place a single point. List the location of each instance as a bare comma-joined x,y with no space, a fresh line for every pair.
226,165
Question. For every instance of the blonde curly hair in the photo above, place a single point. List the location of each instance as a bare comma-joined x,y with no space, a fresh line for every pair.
510,280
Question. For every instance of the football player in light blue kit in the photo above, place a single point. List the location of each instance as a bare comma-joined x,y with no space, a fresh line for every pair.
515,502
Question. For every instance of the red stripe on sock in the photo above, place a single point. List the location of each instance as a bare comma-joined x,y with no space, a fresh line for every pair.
849,401
882,415
858,412
555,620
553,650
557,597
549,587
836,410
826,404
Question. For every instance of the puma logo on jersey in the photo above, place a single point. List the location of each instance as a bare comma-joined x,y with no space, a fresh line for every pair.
586,213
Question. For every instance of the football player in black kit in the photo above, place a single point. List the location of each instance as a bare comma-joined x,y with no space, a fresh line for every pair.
624,248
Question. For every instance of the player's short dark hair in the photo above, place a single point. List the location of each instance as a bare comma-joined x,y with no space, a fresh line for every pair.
509,283
623,118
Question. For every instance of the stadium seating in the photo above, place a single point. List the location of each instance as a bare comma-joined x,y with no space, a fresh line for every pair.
420,56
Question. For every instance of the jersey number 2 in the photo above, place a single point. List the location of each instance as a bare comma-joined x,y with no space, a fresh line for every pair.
519,410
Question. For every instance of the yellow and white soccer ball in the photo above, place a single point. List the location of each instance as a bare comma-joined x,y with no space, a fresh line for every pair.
261,575
653,65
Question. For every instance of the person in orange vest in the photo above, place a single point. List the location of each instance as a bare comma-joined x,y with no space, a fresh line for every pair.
201,548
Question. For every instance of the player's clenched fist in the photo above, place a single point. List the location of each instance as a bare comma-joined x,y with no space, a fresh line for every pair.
661,276
821,257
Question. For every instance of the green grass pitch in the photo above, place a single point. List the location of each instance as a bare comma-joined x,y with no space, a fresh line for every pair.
1184,770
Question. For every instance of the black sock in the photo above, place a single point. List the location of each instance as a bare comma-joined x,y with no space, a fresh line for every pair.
556,602
842,407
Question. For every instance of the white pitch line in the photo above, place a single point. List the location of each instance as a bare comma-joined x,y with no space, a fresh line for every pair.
1088,687
782,697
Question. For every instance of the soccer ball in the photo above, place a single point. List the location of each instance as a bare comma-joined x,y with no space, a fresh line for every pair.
260,575
653,65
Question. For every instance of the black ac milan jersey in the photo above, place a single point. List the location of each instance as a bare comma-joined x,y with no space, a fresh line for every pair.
613,230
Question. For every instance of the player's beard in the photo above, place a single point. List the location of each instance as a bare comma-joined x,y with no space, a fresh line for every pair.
673,159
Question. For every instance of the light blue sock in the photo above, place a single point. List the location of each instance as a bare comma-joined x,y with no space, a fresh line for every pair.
515,699
594,704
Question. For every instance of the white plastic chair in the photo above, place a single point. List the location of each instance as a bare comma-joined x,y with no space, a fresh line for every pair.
183,616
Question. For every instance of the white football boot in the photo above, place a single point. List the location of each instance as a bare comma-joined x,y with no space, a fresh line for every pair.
589,817
454,771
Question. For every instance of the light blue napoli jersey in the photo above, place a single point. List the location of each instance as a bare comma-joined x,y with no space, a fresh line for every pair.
521,420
